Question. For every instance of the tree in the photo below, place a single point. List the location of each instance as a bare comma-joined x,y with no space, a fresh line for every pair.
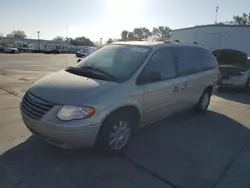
109,41
17,34
67,39
138,34
97,43
124,35
131,36
59,39
145,32
81,41
162,32
141,33
242,20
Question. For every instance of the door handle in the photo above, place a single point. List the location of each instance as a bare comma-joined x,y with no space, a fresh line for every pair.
175,89
184,87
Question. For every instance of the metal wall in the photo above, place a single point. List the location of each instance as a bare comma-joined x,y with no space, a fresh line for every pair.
216,37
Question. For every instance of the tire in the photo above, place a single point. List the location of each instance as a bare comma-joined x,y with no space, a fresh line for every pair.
203,102
247,86
115,133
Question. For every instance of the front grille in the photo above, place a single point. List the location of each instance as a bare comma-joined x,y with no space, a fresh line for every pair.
34,106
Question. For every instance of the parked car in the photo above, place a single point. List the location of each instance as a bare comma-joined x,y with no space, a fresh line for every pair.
234,68
104,98
10,50
52,51
85,52
82,53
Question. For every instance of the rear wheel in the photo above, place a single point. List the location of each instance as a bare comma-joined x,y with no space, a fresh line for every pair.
203,102
115,133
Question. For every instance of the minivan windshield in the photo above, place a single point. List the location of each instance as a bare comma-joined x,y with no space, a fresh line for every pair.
119,61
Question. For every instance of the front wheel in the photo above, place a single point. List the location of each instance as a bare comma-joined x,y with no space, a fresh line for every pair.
247,86
203,102
115,133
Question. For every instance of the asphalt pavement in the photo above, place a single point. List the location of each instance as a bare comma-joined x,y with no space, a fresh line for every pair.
186,150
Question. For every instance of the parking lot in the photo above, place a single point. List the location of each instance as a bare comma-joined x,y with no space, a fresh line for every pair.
183,151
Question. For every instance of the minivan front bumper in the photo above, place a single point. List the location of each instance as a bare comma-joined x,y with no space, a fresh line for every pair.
82,134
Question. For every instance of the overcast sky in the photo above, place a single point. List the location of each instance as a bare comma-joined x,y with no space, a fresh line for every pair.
107,18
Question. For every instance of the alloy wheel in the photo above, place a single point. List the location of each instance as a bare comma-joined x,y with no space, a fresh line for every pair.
119,135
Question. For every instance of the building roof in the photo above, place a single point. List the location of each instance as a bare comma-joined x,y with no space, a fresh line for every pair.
213,25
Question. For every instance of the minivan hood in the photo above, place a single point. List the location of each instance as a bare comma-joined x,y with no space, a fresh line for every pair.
66,88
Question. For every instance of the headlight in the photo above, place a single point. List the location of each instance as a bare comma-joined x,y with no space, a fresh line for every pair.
67,113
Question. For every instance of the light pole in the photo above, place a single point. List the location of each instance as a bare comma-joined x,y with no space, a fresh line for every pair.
38,32
216,15
100,42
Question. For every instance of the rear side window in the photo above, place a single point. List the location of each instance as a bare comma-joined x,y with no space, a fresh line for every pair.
187,60
207,59
162,62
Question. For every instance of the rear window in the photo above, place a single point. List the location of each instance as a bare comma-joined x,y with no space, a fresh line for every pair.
207,59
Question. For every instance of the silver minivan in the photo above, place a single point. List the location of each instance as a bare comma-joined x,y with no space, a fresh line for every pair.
119,88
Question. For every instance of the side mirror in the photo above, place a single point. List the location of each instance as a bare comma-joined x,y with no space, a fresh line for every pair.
149,77
78,60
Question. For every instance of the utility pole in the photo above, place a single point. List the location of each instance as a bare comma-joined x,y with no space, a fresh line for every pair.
100,42
67,41
38,38
216,15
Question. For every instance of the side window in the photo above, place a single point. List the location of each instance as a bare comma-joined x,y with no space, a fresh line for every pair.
162,62
187,60
207,59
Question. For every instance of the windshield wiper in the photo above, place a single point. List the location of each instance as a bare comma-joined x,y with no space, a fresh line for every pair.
91,72
72,69
88,68
75,70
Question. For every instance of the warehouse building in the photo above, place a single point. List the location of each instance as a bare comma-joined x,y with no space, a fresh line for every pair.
215,37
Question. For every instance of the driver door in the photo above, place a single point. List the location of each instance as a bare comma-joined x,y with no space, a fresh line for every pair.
161,97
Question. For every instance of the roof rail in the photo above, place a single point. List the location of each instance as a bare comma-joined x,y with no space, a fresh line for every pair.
178,41
170,41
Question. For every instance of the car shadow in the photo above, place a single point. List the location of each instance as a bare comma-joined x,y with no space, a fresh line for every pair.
235,95
188,150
